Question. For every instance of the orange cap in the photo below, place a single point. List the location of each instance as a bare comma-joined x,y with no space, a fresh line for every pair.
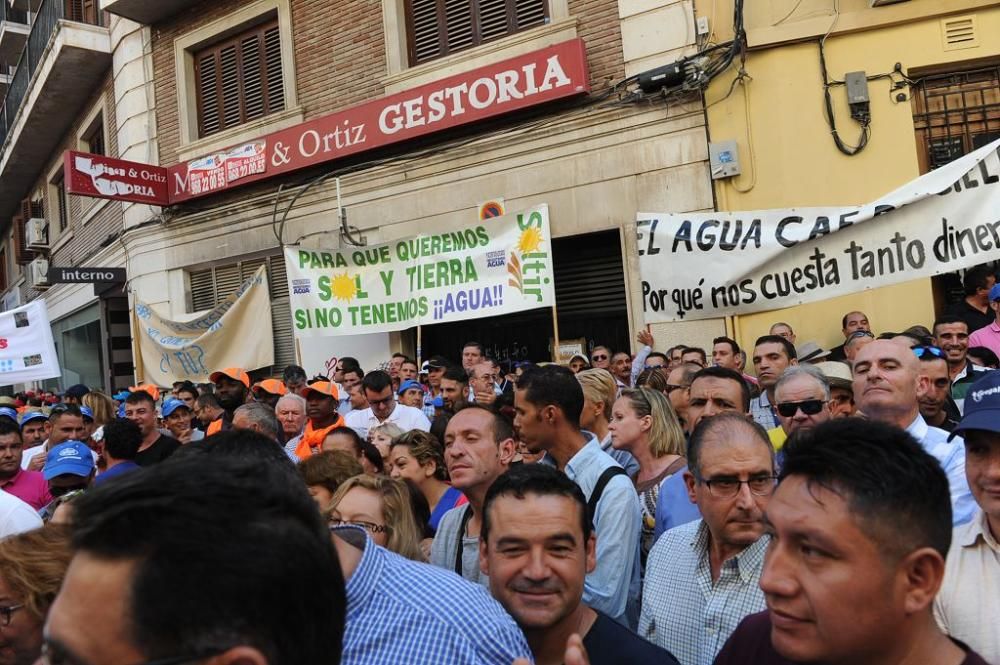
324,388
153,391
234,373
273,386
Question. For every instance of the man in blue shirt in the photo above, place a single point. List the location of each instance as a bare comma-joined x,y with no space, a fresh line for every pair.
548,402
122,439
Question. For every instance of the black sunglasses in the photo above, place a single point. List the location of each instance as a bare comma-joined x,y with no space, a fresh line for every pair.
922,351
810,407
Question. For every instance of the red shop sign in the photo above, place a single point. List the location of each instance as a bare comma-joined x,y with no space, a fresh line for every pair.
108,178
550,74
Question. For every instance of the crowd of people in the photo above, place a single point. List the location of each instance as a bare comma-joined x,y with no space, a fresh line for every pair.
836,506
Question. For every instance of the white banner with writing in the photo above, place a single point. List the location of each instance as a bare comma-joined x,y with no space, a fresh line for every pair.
499,266
236,333
707,265
27,352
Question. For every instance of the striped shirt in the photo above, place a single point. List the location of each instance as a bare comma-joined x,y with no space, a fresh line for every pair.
683,610
401,611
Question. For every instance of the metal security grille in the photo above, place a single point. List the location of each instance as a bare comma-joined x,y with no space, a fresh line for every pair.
438,27
211,285
239,79
954,114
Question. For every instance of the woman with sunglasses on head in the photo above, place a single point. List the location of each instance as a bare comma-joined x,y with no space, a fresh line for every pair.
382,507
644,424
32,567
418,457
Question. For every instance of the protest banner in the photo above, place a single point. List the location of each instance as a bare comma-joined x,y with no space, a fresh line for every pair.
237,333
27,352
500,266
707,265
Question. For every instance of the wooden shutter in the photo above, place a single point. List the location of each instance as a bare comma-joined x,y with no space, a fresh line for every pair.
438,27
22,254
239,79
82,11
211,285
3,268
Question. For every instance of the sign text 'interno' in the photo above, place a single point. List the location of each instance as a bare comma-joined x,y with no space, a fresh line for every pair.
86,275
547,75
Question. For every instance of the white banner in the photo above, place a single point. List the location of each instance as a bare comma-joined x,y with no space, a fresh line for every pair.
501,265
237,333
26,349
707,265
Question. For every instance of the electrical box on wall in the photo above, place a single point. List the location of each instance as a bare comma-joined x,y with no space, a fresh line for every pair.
724,159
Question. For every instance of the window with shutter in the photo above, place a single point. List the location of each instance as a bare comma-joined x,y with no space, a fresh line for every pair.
83,11
211,285
93,137
239,79
62,203
436,28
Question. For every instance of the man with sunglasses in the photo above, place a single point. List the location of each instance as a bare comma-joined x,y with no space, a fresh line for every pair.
600,358
702,577
383,408
936,405
887,384
802,398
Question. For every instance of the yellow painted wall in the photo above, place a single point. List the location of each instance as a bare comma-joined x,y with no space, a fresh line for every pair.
794,157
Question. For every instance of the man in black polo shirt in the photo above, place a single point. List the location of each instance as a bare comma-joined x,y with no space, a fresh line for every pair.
974,308
536,546
140,408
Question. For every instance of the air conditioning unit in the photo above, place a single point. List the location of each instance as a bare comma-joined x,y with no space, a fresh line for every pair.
38,274
36,233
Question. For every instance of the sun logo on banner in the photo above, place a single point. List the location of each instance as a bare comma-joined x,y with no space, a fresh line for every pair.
530,241
344,287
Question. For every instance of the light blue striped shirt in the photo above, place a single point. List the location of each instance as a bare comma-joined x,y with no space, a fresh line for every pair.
683,610
400,612
614,586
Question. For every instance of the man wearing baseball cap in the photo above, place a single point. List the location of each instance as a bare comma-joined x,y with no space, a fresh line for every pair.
33,428
232,386
69,467
28,486
990,335
177,417
269,391
963,607
411,393
322,400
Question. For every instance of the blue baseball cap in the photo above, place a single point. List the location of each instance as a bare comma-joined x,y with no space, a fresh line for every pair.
32,415
995,293
982,405
121,396
87,412
409,383
9,412
70,457
170,405
438,402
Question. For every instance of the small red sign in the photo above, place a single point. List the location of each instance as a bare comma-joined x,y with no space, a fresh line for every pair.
119,179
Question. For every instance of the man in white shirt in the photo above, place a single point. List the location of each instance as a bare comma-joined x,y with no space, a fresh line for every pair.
16,516
65,424
967,606
383,408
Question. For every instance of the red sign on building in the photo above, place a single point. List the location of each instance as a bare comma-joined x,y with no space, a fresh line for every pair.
547,75
109,178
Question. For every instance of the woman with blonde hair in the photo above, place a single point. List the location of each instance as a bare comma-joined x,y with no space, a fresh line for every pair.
644,424
102,406
418,457
599,393
32,567
381,506
382,438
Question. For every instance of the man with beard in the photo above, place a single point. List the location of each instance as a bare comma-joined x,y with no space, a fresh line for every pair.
232,385
322,400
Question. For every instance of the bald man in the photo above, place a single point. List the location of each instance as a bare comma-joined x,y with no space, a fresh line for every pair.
887,384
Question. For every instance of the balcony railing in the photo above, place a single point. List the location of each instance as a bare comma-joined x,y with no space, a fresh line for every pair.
8,13
50,12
